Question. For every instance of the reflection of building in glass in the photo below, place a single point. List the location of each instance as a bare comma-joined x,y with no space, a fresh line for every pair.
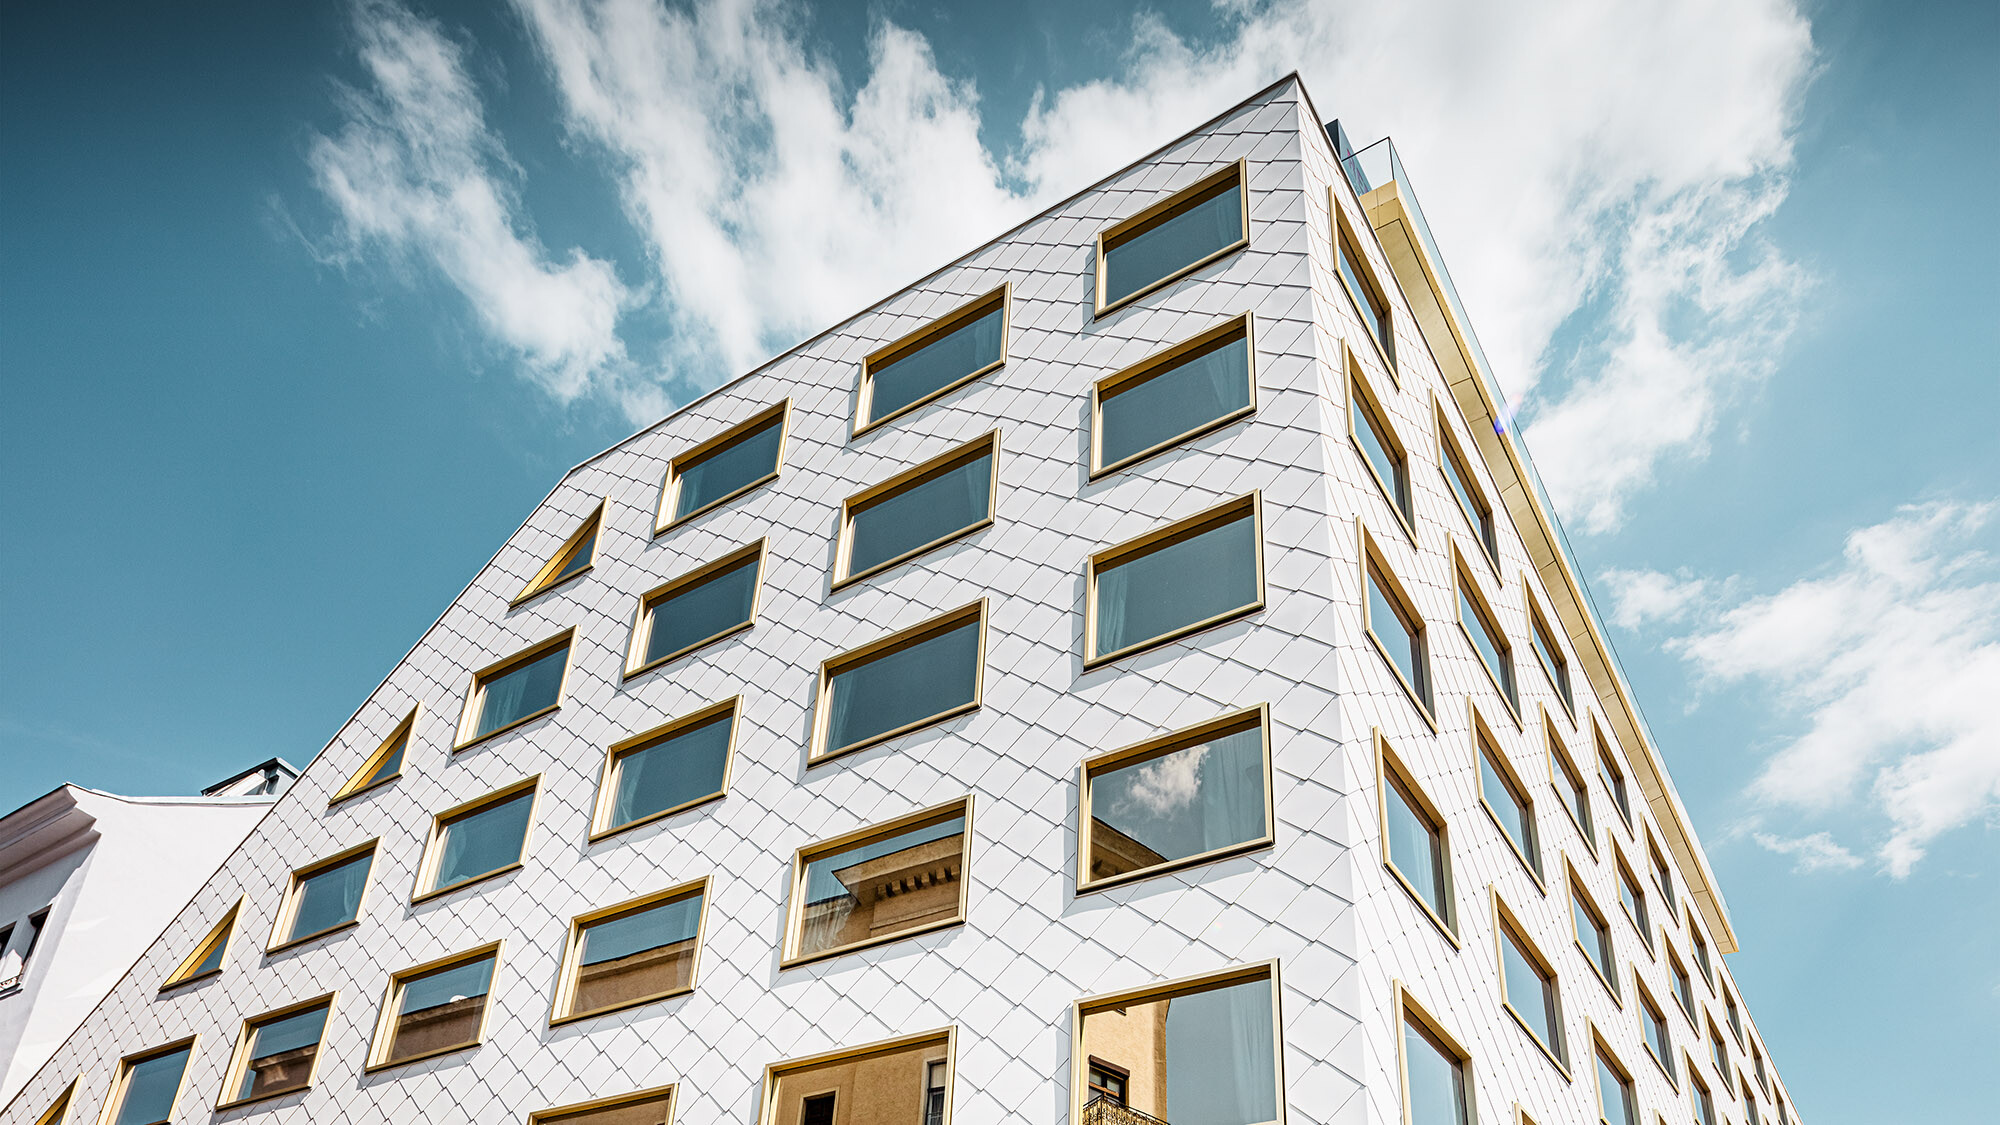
904,1085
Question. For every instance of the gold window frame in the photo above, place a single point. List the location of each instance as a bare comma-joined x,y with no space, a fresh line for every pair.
545,578
121,1080
911,343
1649,1007
1450,448
288,908
1485,743
359,783
571,965
1250,505
600,819
475,695
1579,893
1361,397
922,818
1138,223
1234,722
1563,771
1373,564
563,1114
224,931
433,855
767,1110
986,445
664,518
1109,387
1507,925
1676,969
1699,1092
1698,948
1391,769
1622,872
1466,588
643,622
1343,229
901,639
1082,1007
385,1021
1405,1008
239,1058
1600,1048
1620,771
58,1111
1561,682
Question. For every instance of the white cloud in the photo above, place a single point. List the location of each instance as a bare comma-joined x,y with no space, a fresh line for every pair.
1640,597
416,171
1892,660
1165,786
1817,852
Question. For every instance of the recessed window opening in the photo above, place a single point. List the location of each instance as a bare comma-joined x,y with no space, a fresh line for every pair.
1395,628
577,554
1632,897
1735,1014
1614,780
942,500
724,467
879,884
1593,936
1653,1024
386,763
278,1053
1174,237
1683,986
1700,951
1718,1051
1189,797
1749,1104
934,360
1190,575
325,896
435,1008
479,839
1487,638
1465,491
1662,874
632,953
1414,843
206,958
1436,1078
672,767
1704,1102
1188,390
706,604
1506,800
1380,450
1528,986
1358,278
148,1085
922,675
1571,789
516,690
1203,1050
1550,654
1617,1101
641,1107
904,1081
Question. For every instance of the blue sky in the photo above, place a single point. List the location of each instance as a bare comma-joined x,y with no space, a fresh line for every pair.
303,308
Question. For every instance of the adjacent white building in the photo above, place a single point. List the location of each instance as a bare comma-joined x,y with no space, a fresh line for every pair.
87,881
1126,676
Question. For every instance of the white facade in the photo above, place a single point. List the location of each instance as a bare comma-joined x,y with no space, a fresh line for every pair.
1319,901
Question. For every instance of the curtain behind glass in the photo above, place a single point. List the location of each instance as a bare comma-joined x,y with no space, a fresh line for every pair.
673,772
485,841
928,512
1221,1069
941,362
1172,402
1186,238
149,1092
1436,1083
903,686
331,897
522,691
1197,578
722,473
695,613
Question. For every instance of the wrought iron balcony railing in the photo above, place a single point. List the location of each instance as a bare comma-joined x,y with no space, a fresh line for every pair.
1101,1110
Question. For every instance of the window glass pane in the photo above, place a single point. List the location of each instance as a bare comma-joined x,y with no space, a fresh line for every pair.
1683,988
1183,803
1531,994
331,897
1656,1036
1595,940
940,507
903,686
940,362
848,894
1415,847
633,956
1574,797
1202,576
695,613
1203,1057
1486,643
522,690
1749,1106
1166,403
1614,1096
1632,898
1375,446
483,842
1704,1104
281,1054
1171,245
1436,1077
211,960
727,470
1514,814
578,558
892,1087
392,762
645,1111
1614,783
671,772
1662,877
1385,620
1551,656
440,1009
1462,491
150,1087
1374,311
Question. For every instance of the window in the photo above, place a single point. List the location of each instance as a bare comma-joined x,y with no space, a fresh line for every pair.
1395,628
1757,1064
1549,652
1614,780
890,523
1436,1087
1506,801
1528,985
706,604
1192,796
1749,1104
1663,876
1106,1081
1488,640
1414,844
1358,278
1700,951
898,1080
205,960
1704,1102
1571,789
1632,897
882,883
148,1085
1783,1117
1189,575
577,554
519,689
1718,1051
643,1107
477,840
724,467
1683,987
324,897
1617,1103
1735,1014
922,675
1653,1025
435,1008
58,1111
1199,224
1380,450
1205,1049
630,954
1465,490
1593,936
278,1053
933,361
674,766
1188,390
38,922
385,764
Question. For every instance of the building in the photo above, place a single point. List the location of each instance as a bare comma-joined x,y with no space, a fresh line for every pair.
1124,677
87,882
